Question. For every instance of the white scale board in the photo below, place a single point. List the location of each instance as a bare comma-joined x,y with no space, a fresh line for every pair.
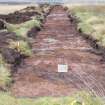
62,68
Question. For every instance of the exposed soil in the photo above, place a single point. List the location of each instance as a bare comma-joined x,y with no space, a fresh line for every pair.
21,16
16,18
60,43
10,55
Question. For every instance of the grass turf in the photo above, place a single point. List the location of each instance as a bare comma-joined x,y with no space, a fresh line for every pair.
5,75
91,21
81,98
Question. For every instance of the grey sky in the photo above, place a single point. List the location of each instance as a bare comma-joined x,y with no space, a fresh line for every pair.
14,0
87,1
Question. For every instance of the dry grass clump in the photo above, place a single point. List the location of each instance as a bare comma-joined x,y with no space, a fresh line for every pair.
81,98
5,75
22,29
22,47
91,21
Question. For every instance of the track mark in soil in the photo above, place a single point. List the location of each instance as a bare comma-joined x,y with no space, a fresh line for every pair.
59,43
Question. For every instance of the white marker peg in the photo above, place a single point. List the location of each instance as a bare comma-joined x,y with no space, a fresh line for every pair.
62,68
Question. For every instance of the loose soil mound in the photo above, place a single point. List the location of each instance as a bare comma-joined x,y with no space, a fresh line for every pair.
22,15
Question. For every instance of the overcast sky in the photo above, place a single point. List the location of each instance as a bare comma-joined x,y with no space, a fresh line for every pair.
14,0
55,0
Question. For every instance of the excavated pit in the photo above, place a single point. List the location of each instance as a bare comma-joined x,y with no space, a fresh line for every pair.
60,43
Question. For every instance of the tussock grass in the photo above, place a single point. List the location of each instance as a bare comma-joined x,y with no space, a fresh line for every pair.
22,29
22,47
2,62
91,21
82,98
5,74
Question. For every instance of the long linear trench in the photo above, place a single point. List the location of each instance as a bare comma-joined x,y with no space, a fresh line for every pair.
60,43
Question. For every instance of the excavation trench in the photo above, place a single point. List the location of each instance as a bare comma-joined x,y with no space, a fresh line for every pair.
59,43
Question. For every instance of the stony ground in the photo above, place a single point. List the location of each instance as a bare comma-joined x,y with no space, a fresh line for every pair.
60,43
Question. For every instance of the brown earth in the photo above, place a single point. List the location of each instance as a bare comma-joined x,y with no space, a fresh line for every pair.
60,43
23,15
16,18
10,55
